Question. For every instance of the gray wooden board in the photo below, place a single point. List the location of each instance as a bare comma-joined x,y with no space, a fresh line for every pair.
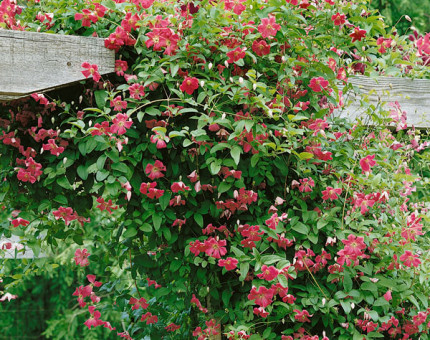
413,96
25,253
37,62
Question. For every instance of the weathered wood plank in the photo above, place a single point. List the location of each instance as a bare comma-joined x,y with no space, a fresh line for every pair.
37,62
413,96
15,242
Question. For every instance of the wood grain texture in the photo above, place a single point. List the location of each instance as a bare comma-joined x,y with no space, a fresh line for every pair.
413,96
37,62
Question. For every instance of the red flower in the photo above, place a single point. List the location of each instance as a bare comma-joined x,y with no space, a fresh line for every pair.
92,279
160,140
410,259
94,319
387,296
367,162
154,171
358,34
138,303
172,327
260,47
306,184
106,205
262,296
179,186
189,85
302,316
87,17
354,245
230,263
137,91
260,311
268,273
53,148
235,55
91,70
67,214
215,248
121,123
120,67
81,257
318,84
268,27
338,19
331,193
150,318
19,221
118,104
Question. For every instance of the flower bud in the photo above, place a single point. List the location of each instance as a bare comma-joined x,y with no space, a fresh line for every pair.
323,301
226,63
240,80
90,123
80,99
352,305
202,83
254,86
52,120
231,79
210,66
408,18
64,160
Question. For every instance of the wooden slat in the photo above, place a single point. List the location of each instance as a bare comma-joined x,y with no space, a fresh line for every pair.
413,96
10,254
37,62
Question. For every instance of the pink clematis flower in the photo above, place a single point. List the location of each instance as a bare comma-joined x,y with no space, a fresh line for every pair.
81,257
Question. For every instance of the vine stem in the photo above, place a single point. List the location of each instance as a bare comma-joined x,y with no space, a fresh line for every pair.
135,282
316,282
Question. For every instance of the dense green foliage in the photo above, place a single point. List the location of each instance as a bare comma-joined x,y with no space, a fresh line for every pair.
395,11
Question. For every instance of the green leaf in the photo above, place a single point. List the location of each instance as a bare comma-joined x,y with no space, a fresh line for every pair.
226,295
283,280
167,234
301,228
130,232
346,305
215,167
164,201
199,219
174,69
82,171
61,199
244,268
64,183
101,162
235,153
223,187
156,220
381,302
101,97
140,116
146,227
305,155
101,175
347,281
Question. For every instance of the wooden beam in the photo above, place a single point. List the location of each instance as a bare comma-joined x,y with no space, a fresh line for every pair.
37,62
413,96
